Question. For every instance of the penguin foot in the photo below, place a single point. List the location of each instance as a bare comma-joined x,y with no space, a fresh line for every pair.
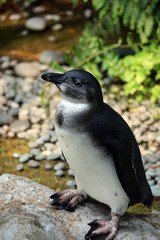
103,229
68,199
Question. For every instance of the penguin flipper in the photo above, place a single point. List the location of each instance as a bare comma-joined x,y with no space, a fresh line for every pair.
126,171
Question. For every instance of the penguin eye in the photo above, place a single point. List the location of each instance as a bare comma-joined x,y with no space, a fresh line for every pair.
77,82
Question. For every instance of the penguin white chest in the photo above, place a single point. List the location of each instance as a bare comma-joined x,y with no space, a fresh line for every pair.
94,171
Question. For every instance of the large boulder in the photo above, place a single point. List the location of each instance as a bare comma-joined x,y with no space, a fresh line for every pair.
26,214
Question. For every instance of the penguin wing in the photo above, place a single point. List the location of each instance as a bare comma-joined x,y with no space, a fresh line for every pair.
115,135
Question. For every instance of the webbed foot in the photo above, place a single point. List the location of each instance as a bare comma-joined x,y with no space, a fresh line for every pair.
68,199
103,229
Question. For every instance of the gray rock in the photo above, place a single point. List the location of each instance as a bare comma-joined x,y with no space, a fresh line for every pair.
19,98
40,157
70,172
20,167
155,190
48,166
19,126
56,154
27,69
48,56
13,112
150,172
35,151
59,173
57,27
59,166
10,95
36,23
25,157
5,119
71,184
33,164
26,214
151,182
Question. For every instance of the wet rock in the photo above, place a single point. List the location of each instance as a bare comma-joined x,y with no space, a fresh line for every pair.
25,157
5,119
33,164
27,69
25,212
36,23
48,56
19,126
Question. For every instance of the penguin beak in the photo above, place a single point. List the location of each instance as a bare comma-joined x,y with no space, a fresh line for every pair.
55,78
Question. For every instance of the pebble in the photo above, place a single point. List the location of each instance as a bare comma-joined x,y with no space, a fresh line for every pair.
36,23
47,152
59,166
70,172
32,144
19,126
49,146
155,190
48,166
48,56
20,167
57,27
56,154
5,119
13,112
14,17
25,157
27,69
59,173
71,184
35,151
33,164
15,155
40,157
151,182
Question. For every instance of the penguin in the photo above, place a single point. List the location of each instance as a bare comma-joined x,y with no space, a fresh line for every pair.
100,148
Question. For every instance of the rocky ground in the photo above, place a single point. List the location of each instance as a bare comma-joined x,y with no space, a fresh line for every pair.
26,214
23,115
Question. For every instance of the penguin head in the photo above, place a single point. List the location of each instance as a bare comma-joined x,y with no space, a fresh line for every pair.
76,85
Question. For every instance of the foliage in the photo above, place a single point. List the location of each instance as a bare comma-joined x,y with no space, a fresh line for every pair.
2,2
140,72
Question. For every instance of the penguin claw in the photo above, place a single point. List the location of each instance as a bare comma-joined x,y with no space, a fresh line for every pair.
67,199
102,230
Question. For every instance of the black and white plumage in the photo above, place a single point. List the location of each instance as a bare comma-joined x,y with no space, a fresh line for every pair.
100,148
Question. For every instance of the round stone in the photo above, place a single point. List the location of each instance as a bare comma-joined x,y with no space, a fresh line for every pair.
59,166
156,190
48,56
19,126
15,155
57,27
59,173
5,119
48,166
70,172
33,164
56,154
71,184
36,23
25,157
40,157
20,167
35,151
27,69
